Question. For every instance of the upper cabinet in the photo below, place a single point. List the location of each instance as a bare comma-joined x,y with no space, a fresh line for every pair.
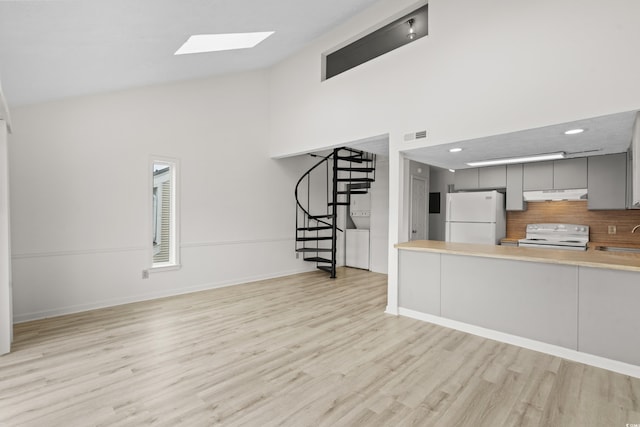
466,179
492,177
515,200
556,175
537,176
480,178
570,173
607,176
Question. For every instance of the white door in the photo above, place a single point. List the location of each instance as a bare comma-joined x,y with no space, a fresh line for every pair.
419,209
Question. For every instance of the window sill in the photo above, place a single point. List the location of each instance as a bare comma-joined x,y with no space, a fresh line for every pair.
159,268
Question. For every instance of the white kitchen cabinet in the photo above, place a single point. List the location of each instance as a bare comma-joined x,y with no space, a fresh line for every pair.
466,179
608,314
537,176
570,173
419,281
515,201
607,176
492,177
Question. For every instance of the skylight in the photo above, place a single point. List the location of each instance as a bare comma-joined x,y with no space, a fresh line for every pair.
201,43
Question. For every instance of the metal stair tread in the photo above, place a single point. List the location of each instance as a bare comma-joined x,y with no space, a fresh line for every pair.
354,159
313,239
352,169
318,259
323,227
356,180
321,216
353,192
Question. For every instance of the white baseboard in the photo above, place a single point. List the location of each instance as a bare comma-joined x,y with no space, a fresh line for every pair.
554,350
393,311
61,311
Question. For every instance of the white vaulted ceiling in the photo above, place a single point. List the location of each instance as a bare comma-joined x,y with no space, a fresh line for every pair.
53,49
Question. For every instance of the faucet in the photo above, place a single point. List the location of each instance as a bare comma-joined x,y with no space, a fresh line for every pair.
635,228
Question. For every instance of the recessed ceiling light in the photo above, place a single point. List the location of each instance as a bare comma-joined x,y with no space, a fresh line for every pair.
216,42
574,131
525,159
455,150
452,170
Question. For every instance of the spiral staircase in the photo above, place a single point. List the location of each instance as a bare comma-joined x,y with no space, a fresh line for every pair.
330,183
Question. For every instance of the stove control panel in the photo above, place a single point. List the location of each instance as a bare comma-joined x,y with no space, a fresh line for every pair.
558,232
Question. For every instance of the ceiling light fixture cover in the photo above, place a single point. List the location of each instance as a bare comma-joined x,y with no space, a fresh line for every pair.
201,43
574,131
524,159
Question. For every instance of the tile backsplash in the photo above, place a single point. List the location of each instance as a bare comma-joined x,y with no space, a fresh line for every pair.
576,212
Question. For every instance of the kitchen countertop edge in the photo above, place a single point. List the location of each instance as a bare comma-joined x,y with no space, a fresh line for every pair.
590,258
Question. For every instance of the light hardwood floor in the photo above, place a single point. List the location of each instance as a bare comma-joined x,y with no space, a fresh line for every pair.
301,351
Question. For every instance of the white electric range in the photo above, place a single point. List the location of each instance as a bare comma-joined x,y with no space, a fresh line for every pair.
556,236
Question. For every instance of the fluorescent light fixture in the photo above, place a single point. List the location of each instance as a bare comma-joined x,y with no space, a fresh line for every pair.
574,131
525,159
452,170
216,42
455,150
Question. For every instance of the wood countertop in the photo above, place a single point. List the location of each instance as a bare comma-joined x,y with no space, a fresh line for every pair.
589,258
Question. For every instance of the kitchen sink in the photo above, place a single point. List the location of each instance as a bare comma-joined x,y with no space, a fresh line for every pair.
618,249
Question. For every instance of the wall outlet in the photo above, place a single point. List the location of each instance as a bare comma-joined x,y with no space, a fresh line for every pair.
612,229
145,274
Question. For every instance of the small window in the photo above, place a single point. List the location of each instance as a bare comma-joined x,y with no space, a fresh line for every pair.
164,214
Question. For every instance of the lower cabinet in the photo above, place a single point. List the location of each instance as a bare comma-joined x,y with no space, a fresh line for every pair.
610,314
591,310
528,299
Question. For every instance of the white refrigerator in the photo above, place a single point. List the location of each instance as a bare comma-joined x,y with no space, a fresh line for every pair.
476,217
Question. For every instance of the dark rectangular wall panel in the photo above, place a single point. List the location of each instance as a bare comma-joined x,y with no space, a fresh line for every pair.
381,41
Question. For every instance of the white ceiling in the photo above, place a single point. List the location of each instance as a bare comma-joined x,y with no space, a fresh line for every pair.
51,49
604,135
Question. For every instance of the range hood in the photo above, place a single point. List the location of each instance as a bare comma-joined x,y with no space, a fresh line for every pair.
544,195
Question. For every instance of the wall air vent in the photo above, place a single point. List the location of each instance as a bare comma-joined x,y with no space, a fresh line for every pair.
398,33
415,135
